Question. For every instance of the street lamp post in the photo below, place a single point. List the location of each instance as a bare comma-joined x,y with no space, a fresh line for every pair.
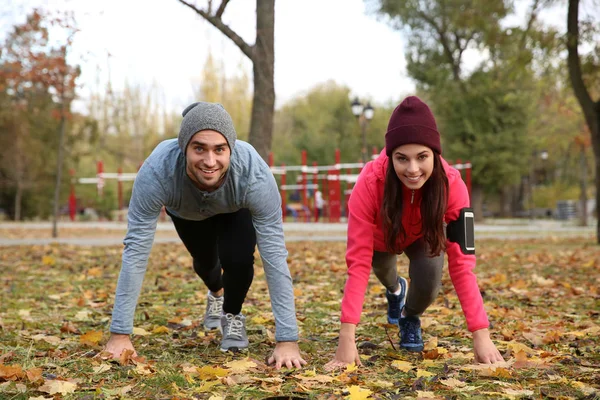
364,114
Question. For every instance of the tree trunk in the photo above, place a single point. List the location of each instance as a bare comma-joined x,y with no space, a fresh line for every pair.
18,200
591,109
263,58
19,175
59,163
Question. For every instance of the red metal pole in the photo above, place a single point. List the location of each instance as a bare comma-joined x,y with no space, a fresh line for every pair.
334,190
316,184
283,194
99,171
304,190
347,195
270,159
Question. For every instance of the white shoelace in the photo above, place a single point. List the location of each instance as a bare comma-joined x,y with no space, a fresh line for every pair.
215,308
235,326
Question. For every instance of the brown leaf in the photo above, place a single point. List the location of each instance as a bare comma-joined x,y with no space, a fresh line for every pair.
125,357
34,374
68,327
11,372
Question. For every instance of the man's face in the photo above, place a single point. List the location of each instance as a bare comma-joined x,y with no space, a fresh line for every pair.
207,159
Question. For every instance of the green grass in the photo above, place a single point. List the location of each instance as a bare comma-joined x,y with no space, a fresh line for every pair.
542,294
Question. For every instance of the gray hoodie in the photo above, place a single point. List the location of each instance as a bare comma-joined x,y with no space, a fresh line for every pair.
163,181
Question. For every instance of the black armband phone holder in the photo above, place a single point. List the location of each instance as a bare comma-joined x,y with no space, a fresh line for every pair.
462,231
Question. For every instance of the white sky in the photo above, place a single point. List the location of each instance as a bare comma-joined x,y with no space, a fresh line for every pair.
163,41
166,42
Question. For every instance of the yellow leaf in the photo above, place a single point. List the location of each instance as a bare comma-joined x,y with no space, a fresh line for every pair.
143,369
207,372
91,338
425,395
402,365
48,339
48,260
380,384
496,372
351,367
160,329
516,347
56,386
82,316
453,382
423,373
431,344
208,386
357,393
240,365
258,320
140,332
311,377
589,264
95,272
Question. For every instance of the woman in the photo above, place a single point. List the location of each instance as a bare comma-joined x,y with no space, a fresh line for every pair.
402,203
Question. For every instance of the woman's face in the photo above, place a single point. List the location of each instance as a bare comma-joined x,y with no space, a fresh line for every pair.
413,164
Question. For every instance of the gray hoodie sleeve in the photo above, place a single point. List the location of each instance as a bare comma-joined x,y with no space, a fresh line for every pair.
147,199
264,202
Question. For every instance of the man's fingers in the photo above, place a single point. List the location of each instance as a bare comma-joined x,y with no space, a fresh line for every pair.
271,360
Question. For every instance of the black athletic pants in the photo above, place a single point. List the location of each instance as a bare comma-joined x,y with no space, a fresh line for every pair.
223,242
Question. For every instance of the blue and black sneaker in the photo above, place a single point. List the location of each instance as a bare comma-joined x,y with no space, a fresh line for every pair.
410,334
396,302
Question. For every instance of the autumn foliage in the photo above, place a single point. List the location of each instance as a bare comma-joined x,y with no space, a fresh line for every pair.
55,302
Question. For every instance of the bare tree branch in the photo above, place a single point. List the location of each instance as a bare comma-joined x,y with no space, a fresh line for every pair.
574,62
446,46
532,18
216,21
221,9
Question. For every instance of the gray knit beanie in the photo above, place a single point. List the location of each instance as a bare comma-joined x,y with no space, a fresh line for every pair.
202,116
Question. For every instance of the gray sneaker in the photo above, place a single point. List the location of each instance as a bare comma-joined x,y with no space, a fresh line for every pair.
235,337
214,312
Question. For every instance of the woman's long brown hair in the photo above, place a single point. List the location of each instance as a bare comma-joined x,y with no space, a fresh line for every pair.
433,207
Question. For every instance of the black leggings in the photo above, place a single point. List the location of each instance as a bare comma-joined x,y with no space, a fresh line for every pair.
224,241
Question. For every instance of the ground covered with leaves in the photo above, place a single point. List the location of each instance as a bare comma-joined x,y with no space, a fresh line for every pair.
542,297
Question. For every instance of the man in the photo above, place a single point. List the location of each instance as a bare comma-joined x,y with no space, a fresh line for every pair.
223,200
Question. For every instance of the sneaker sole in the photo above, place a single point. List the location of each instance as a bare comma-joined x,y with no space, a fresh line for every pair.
412,349
234,349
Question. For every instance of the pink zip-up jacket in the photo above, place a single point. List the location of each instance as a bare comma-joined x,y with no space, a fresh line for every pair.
365,235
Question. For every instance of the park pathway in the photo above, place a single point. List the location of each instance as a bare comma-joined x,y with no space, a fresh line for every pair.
111,233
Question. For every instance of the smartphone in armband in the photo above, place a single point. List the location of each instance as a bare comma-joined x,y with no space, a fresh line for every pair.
462,231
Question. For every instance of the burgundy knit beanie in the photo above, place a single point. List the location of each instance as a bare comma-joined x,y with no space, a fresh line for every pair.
412,122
